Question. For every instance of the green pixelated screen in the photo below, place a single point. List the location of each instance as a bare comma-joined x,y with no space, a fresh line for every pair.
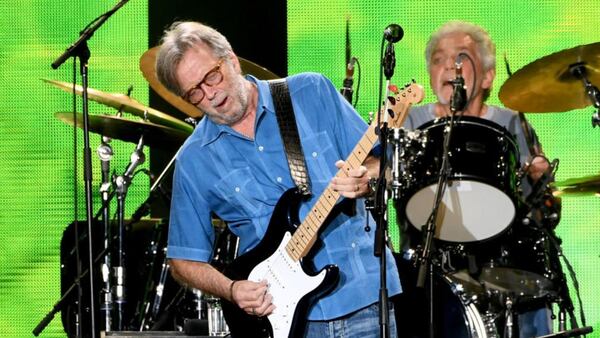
36,194
523,31
37,173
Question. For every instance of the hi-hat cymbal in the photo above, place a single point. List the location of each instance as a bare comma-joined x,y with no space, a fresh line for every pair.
125,104
148,68
581,186
155,135
547,85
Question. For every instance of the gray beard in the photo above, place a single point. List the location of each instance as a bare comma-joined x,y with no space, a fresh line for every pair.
241,93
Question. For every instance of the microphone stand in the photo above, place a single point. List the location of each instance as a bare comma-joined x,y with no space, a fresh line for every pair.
380,203
139,213
424,262
105,154
80,50
122,184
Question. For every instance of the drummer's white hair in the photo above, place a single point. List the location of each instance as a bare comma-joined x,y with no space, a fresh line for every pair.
485,45
487,48
178,39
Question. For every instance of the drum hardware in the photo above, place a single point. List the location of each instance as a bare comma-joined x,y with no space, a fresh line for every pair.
549,84
407,148
581,186
126,104
155,135
477,176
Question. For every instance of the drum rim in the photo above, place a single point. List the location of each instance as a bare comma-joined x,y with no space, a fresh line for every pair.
470,120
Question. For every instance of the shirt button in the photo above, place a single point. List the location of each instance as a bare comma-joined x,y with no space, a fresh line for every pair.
353,245
237,189
314,154
261,148
279,179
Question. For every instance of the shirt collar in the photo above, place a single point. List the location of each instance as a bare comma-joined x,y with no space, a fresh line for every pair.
208,131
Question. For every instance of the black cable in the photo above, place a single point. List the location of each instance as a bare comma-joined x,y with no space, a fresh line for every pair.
573,277
357,83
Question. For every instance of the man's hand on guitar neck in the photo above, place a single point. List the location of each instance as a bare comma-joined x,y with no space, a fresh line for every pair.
253,297
356,184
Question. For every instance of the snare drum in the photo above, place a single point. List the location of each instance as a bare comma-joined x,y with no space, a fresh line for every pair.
479,201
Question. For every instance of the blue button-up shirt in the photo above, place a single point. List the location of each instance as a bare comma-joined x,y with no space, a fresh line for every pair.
240,180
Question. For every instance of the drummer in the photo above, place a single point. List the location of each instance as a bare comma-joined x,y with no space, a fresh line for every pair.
474,43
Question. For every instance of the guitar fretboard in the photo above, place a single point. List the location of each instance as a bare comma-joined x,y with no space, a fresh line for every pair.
306,234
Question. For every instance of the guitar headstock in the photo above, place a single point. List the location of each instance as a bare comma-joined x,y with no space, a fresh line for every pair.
400,103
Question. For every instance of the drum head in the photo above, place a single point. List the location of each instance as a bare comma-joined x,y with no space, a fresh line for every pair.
470,211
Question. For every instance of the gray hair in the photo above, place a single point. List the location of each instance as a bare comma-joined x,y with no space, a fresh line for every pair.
177,40
485,45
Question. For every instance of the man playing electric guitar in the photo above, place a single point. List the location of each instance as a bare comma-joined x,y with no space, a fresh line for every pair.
234,165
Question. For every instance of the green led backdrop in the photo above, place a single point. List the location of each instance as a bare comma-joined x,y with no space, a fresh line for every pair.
523,30
36,191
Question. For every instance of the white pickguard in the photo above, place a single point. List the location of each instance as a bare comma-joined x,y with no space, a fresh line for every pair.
287,284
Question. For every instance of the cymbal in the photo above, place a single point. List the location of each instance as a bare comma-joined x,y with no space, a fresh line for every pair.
155,135
582,186
148,68
546,85
519,282
125,104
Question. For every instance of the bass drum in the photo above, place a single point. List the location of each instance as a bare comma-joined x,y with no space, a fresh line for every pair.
480,199
456,314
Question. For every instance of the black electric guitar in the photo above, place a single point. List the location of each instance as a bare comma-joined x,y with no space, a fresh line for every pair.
278,258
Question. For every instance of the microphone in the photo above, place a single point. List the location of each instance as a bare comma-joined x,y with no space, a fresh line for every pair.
458,101
392,33
137,158
347,90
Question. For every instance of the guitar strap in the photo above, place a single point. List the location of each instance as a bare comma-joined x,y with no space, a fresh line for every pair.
289,134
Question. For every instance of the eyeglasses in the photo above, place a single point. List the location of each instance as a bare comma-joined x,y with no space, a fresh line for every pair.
214,76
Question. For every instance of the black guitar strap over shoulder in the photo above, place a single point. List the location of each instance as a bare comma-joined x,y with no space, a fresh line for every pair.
289,134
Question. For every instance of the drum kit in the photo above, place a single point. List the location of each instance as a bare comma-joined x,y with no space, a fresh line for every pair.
484,275
496,254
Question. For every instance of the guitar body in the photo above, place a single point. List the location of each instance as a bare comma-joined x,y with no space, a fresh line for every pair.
278,257
294,286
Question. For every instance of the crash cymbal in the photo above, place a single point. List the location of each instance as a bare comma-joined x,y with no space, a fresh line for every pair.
125,104
582,186
547,85
130,131
148,68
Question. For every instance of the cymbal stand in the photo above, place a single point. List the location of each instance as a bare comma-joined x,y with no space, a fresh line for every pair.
105,154
122,184
579,71
508,325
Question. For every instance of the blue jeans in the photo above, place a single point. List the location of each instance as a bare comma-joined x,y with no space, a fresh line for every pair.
535,323
363,323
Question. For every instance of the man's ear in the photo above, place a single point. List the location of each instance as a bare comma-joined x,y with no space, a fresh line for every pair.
488,79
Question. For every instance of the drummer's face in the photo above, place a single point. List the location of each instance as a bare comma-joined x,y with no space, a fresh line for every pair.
225,101
442,66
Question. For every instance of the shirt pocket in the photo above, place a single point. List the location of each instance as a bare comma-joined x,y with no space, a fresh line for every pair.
239,195
320,157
